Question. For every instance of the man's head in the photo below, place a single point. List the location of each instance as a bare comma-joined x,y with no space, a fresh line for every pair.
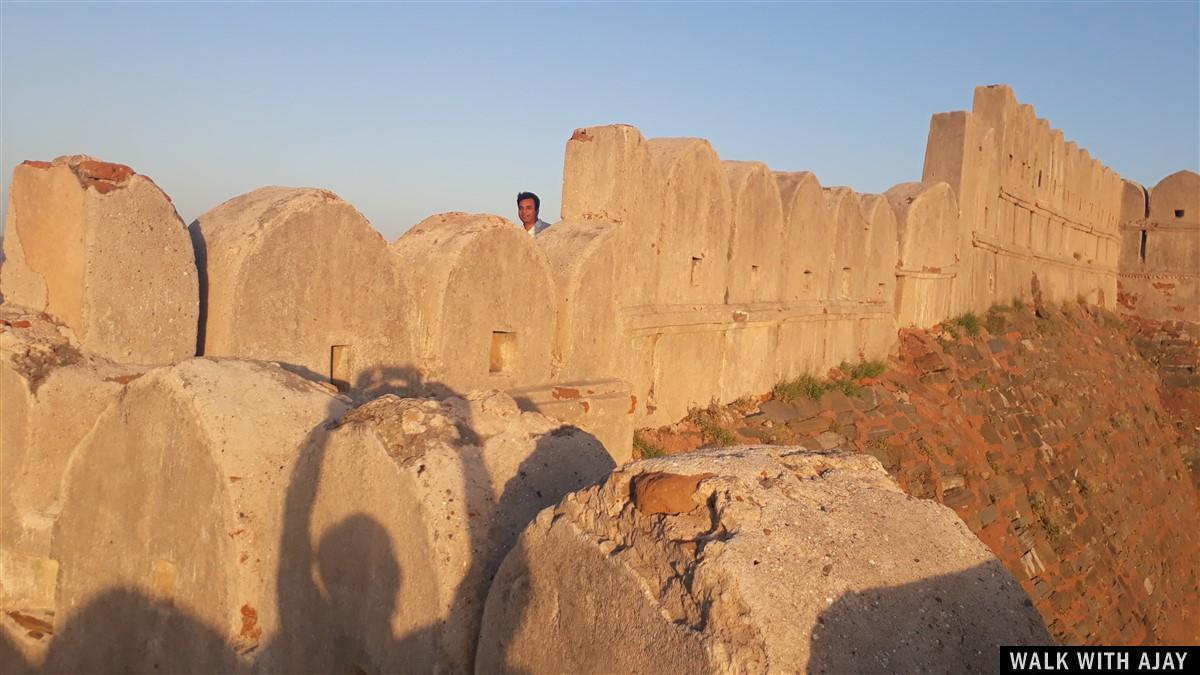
528,206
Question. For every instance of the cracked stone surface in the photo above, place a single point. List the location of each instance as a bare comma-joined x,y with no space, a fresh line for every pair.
786,560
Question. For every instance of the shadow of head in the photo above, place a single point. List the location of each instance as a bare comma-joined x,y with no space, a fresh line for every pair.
953,622
563,460
123,630
361,579
358,569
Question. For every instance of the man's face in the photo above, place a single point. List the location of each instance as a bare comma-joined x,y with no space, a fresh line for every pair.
527,212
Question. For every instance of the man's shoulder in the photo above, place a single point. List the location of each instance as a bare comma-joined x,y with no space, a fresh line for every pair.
540,226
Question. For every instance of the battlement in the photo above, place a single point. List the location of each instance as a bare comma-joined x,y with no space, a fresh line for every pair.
672,269
520,367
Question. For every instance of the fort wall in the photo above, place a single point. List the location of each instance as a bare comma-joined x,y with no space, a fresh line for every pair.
757,263
674,279
1030,203
691,278
298,276
1160,249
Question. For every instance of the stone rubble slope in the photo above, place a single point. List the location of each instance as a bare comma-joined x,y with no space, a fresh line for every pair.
1050,434
751,559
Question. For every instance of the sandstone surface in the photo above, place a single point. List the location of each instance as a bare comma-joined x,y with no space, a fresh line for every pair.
174,501
405,513
609,175
485,299
298,276
697,221
102,249
52,394
927,230
1160,253
751,559
587,260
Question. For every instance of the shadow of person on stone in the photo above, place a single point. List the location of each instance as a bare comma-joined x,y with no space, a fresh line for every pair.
361,579
123,630
564,460
953,623
12,661
357,554
338,605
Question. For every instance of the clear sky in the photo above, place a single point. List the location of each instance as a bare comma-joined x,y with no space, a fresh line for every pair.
406,110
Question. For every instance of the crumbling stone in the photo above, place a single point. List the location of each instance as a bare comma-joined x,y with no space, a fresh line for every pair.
412,504
52,394
101,248
751,559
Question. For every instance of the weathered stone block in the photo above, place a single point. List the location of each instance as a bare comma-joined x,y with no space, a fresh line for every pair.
183,541
102,249
51,394
486,301
749,560
298,276
404,514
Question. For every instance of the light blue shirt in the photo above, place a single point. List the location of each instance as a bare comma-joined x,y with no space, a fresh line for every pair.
539,226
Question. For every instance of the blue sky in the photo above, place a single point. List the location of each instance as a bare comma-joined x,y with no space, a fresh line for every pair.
406,110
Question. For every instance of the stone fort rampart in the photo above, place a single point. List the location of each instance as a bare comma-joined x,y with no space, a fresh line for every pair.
672,270
674,279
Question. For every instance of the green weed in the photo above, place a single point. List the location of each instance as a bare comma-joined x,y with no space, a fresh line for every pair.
863,369
1042,512
718,436
645,448
997,319
1085,488
805,386
710,429
968,322
877,444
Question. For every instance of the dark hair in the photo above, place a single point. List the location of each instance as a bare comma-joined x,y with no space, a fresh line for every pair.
537,203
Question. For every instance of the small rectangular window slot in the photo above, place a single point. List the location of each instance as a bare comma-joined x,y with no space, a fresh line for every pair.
1142,251
845,282
1178,213
341,361
697,271
503,351
808,281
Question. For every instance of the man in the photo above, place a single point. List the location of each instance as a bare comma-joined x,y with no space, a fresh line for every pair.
528,206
